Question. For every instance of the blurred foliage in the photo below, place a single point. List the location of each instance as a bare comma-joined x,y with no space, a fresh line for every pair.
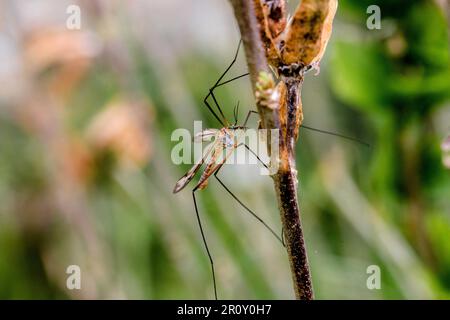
400,79
86,119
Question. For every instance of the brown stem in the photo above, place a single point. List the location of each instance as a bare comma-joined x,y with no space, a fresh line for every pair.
285,186
285,180
244,12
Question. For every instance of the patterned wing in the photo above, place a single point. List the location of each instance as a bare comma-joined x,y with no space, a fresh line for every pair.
205,135
184,180
214,164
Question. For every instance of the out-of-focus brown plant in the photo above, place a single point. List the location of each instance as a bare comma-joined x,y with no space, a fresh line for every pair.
290,49
122,128
55,61
67,54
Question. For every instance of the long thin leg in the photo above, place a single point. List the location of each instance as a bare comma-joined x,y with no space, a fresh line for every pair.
231,80
316,130
211,90
247,208
337,135
205,243
254,153
240,202
248,117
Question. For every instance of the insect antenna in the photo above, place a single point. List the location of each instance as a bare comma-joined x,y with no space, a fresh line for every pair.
236,113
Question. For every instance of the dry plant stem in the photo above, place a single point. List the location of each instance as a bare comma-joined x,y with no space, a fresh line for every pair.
285,180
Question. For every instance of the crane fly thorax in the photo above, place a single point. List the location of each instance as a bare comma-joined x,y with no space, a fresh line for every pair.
230,135
227,138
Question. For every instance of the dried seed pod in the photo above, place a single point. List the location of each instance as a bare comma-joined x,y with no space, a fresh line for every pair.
308,32
272,51
275,14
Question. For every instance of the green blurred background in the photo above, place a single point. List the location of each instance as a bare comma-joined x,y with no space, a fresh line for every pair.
86,175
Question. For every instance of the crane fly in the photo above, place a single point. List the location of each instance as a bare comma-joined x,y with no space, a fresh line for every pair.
216,154
225,142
